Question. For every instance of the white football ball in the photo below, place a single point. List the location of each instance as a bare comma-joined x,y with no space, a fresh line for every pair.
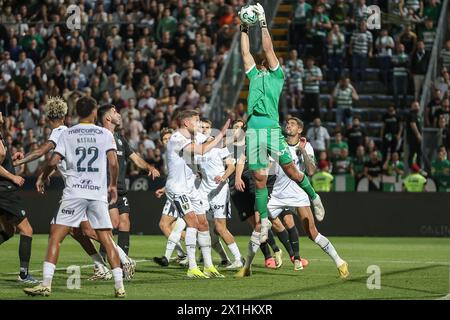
248,16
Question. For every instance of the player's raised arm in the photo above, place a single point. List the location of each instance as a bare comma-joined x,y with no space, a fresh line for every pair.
35,154
207,146
247,57
267,44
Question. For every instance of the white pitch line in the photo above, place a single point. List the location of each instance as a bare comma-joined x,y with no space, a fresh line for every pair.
446,263
65,268
312,259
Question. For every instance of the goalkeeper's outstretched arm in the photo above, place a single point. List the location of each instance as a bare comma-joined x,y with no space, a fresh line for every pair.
249,62
267,44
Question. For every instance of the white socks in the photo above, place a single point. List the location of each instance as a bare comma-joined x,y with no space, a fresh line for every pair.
174,238
191,241
118,278
122,255
235,251
97,259
48,271
326,246
204,241
179,248
253,246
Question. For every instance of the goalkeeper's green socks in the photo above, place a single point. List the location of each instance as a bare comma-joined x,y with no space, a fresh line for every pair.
307,187
261,202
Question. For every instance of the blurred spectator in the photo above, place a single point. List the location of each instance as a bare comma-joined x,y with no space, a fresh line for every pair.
336,50
298,20
372,171
391,132
415,182
415,5
408,39
318,26
432,106
294,73
359,162
428,34
356,136
384,45
442,111
393,166
318,136
440,169
311,79
432,10
414,137
361,46
343,95
340,13
322,180
337,145
445,55
343,163
419,66
189,97
442,83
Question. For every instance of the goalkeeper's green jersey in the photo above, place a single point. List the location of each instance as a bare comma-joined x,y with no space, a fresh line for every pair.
264,92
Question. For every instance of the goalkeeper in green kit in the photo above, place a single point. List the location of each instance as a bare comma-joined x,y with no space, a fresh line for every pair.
264,136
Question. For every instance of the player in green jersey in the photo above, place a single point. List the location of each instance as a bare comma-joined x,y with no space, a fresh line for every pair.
264,136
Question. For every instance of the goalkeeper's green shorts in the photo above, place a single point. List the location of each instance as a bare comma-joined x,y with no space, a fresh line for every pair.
263,139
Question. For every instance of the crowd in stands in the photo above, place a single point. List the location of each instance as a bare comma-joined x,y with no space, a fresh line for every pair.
152,57
330,43
148,58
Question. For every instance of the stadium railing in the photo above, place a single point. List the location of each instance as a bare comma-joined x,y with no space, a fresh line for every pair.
227,88
429,144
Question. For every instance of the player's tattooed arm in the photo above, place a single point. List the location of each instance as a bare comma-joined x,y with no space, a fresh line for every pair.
309,160
35,154
144,165
269,52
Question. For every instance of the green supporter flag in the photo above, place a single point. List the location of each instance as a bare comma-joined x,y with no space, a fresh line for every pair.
322,181
344,183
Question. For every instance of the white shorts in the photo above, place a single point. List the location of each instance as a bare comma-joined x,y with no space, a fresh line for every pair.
295,88
187,202
169,210
72,212
219,204
276,205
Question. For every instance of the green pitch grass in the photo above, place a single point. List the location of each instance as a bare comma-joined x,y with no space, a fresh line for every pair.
411,268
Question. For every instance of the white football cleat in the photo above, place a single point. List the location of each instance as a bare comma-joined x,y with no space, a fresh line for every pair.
319,210
101,272
237,264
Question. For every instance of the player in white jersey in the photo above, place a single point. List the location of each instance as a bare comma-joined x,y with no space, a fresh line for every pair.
170,224
56,110
215,193
181,191
287,194
88,151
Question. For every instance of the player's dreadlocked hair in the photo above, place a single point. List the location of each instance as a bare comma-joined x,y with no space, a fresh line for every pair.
55,108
